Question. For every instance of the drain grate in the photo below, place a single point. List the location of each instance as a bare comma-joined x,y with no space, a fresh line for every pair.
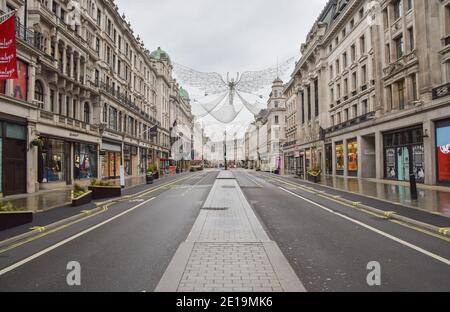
216,208
228,186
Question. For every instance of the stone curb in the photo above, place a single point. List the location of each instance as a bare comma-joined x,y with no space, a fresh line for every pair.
391,215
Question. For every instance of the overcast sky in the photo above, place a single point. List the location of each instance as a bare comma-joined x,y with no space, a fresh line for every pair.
224,35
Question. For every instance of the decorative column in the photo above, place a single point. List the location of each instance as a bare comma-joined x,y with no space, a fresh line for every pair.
31,82
379,152
32,161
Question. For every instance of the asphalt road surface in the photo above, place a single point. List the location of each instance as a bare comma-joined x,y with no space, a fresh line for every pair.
329,245
126,248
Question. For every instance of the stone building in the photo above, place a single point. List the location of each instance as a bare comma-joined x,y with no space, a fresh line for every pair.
88,101
371,93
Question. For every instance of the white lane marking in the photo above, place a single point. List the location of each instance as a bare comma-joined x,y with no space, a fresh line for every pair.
47,250
398,240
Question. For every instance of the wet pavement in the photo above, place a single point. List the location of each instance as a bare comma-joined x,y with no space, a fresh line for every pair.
50,199
431,199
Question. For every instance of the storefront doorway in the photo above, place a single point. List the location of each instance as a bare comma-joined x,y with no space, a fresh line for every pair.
112,160
13,158
397,147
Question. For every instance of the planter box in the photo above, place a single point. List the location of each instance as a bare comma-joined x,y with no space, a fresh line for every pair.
314,179
102,192
149,179
12,219
84,199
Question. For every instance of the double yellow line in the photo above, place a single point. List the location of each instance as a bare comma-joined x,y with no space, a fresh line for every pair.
355,206
43,231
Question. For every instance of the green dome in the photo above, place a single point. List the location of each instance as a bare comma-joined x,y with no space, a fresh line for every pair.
183,93
160,54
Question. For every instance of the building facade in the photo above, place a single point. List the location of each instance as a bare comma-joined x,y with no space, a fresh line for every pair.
88,99
371,95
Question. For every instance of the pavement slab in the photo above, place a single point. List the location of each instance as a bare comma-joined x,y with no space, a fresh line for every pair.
228,250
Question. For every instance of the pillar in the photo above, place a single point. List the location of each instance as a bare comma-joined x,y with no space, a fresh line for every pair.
345,158
379,152
32,162
430,153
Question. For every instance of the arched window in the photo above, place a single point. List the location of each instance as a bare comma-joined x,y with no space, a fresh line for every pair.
87,113
39,91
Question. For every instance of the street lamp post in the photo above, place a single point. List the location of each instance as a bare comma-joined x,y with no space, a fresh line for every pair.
225,151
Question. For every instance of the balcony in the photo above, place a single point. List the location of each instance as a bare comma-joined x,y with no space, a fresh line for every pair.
441,91
29,37
350,123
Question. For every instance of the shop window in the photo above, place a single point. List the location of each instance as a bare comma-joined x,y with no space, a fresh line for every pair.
352,157
443,151
339,157
85,161
52,161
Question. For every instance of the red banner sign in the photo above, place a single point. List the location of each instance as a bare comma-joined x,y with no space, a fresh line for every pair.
8,61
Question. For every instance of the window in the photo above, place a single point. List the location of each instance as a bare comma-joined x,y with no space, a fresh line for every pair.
113,118
345,86
316,98
99,17
346,115
398,9
344,58
303,107
74,109
410,4
276,104
309,103
67,106
39,91
352,23
447,20
105,113
52,101
87,113
414,87
399,46
353,53
355,111
331,72
60,104
361,13
388,53
338,67
363,74
277,121
354,82
364,107
362,44
401,94
411,39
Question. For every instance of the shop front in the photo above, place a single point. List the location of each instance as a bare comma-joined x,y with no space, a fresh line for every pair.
85,161
443,151
111,155
13,157
398,146
340,166
130,159
352,157
54,161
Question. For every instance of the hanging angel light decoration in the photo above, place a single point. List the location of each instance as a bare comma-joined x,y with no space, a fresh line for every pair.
230,93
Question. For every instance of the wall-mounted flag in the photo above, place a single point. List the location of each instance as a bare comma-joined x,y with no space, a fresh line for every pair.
8,54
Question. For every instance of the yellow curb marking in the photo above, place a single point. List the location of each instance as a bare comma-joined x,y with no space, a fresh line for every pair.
444,231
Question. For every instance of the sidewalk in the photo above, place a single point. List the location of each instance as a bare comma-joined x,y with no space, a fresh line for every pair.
434,199
50,199
228,250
